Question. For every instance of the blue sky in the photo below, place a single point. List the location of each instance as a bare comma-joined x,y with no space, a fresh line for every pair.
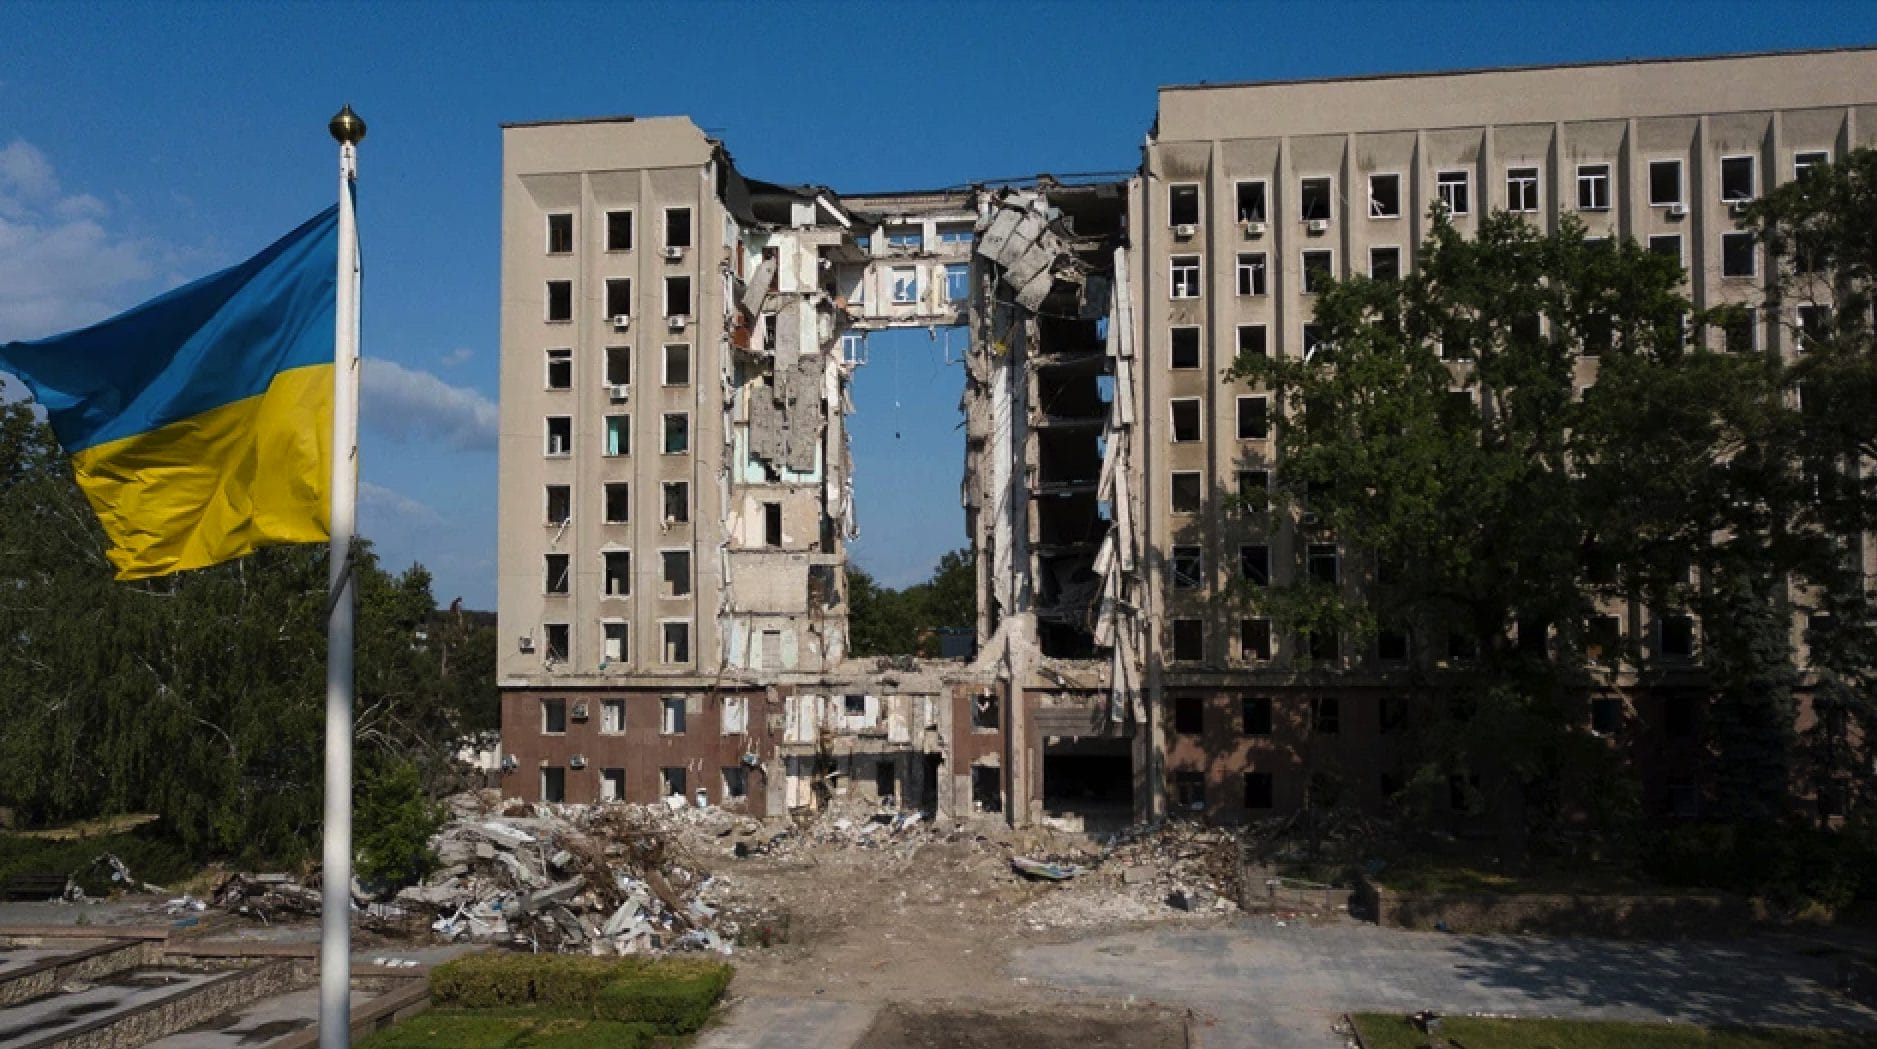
142,145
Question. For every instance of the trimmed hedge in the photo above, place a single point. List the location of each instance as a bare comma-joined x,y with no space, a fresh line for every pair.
673,994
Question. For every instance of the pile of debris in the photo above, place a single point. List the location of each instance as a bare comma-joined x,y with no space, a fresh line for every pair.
1149,873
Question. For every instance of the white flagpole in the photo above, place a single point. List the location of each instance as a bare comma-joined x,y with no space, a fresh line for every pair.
335,905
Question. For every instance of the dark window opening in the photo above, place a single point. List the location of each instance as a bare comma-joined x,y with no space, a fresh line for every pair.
1323,563
1324,646
619,297
554,785
1186,419
557,642
560,234
553,716
677,227
1384,196
1251,202
1183,205
1318,268
675,572
1664,182
1251,273
1257,790
1189,640
854,704
1186,492
618,565
618,502
556,565
1677,636
677,296
1256,716
1189,790
885,779
1189,715
619,231
1606,716
1254,564
1737,178
1186,570
671,782
1253,341
987,788
1326,716
560,503
1254,639
560,300
1385,263
984,711
1391,646
1451,186
677,502
1183,349
1254,419
1254,490
1738,258
677,433
1314,199
1679,715
772,524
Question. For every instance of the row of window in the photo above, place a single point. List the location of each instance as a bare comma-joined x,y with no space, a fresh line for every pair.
616,507
616,371
906,285
1603,635
616,435
912,238
674,641
734,785
556,712
1323,716
558,301
1316,194
674,573
617,230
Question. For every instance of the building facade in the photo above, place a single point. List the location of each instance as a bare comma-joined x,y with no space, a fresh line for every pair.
676,490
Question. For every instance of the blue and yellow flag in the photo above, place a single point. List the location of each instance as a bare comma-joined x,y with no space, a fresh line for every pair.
200,423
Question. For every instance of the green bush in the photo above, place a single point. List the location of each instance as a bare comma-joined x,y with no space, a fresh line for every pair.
395,821
149,857
676,996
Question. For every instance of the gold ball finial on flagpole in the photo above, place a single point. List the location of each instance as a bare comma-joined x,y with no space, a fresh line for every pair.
347,128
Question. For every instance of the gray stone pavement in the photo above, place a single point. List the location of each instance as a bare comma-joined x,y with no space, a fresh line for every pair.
790,1023
1260,986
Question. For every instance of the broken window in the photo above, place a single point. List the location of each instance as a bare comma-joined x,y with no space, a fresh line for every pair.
1391,646
560,503
1385,196
885,779
554,785
1521,189
1186,568
1254,490
957,282
911,238
618,436
735,718
612,717
677,365
1183,348
671,781
1385,263
677,296
1593,187
1451,186
1189,715
905,284
1254,564
671,715
1667,245
1313,341
553,717
1186,419
1257,790
619,231
677,433
1324,564
1251,273
1664,183
1254,418
560,301
1599,334
1326,715
772,524
987,788
677,227
1606,716
618,572
1738,258
677,502
1603,639
735,783
1251,201
618,365
618,297
1676,636
618,502
854,704
1184,271
1182,204
674,572
1186,492
1737,178
1189,640
1189,790
1740,331
613,641
560,234
1255,716
1814,326
1314,200
556,565
984,712
1803,163
1253,341
955,233
1318,267
560,368
560,435
1254,640
612,785
557,642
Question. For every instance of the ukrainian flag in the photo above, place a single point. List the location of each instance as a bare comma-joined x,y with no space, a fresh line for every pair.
199,424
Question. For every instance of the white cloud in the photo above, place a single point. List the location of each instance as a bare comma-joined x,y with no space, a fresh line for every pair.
460,355
416,406
60,266
377,501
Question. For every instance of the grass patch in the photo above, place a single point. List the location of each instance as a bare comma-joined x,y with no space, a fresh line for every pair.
511,1029
148,856
1389,1031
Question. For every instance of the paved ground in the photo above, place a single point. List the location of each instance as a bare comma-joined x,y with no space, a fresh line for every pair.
36,1021
790,1023
1262,986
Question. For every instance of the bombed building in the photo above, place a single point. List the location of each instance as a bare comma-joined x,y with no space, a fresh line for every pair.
677,491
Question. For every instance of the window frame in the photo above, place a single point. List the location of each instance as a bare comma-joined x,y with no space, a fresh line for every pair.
1186,566
1681,189
1174,503
547,302
1804,160
690,226
1591,177
548,704
1175,335
632,229
1185,273
561,355
1446,189
547,437
1264,338
1374,178
1198,204
665,488
606,502
1523,190
1262,417
904,292
608,288
549,561
1753,177
1391,249
1328,197
607,625
566,498
1734,238
665,370
665,433
1264,654
1252,270
1264,200
684,585
607,576
1307,283
664,642
1199,420
572,233
1186,624
1246,559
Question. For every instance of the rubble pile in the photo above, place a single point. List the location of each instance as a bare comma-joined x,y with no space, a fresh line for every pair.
1143,874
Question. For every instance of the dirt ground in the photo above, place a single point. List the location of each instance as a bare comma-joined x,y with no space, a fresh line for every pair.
1060,1027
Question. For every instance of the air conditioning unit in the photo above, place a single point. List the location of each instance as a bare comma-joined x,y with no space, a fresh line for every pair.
1254,228
674,253
580,711
526,643
676,322
1676,211
1318,225
618,391
1739,205
578,761
1185,230
622,321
